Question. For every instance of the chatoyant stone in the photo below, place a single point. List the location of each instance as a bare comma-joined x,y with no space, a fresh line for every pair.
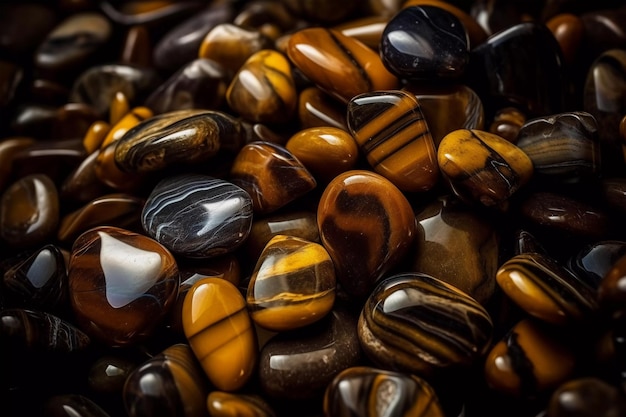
531,359
263,89
292,285
329,58
586,397
29,211
563,147
425,42
220,332
108,172
170,383
392,133
417,323
121,284
299,364
363,255
594,261
271,175
367,29
482,168
363,391
318,109
74,405
197,216
226,404
546,290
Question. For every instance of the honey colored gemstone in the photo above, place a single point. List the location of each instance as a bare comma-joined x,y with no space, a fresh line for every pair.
531,359
318,109
129,120
119,108
292,285
481,167
507,123
330,59
325,151
263,89
366,29
220,332
361,254
391,132
108,171
271,175
226,404
8,148
94,137
587,396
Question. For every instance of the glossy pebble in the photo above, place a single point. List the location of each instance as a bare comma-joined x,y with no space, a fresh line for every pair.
220,332
362,256
74,405
593,261
226,404
197,216
392,133
318,109
586,396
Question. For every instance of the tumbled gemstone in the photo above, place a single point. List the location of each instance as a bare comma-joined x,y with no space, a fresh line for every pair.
329,58
391,131
586,396
593,261
417,323
147,13
363,255
292,285
507,123
529,360
263,89
110,174
170,383
126,122
77,405
569,31
481,167
564,146
367,29
366,391
425,42
121,284
318,109
197,216
53,158
8,148
614,193
546,290
220,332
271,175
94,137
29,211
118,108
226,404
136,48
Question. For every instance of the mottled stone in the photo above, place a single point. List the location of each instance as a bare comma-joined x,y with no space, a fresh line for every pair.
197,216
72,405
362,256
226,404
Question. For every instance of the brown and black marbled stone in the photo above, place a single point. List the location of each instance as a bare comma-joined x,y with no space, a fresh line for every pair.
318,109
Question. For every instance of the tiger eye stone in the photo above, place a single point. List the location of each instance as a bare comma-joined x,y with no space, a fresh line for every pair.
507,123
586,397
226,404
417,323
292,285
119,108
391,132
263,89
110,174
29,211
126,122
329,58
481,167
363,255
220,332
569,31
363,391
197,216
121,284
170,383
318,109
366,29
529,360
271,175
53,158
546,290
95,135
325,151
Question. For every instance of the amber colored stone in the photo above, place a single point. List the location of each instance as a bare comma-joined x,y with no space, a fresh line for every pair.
131,119
271,175
119,108
95,135
318,109
569,30
107,171
507,123
391,132
121,284
29,211
363,255
366,29
226,404
586,396
356,392
325,151
481,167
263,89
292,285
530,359
329,58
8,148
220,332
137,47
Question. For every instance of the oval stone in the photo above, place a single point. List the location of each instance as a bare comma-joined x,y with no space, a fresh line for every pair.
74,405
318,109
363,255
226,404
587,396
197,216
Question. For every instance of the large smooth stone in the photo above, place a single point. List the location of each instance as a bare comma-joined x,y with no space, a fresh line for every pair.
197,216
416,323
121,284
391,132
329,58
300,364
220,333
425,42
361,254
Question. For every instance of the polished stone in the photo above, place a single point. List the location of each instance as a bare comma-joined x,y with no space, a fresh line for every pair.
424,43
569,31
586,396
45,122
126,122
507,123
121,284
8,148
95,135
363,255
197,216
368,30
226,404
611,294
593,261
392,133
108,374
151,14
108,172
417,323
137,47
72,405
614,193
318,109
